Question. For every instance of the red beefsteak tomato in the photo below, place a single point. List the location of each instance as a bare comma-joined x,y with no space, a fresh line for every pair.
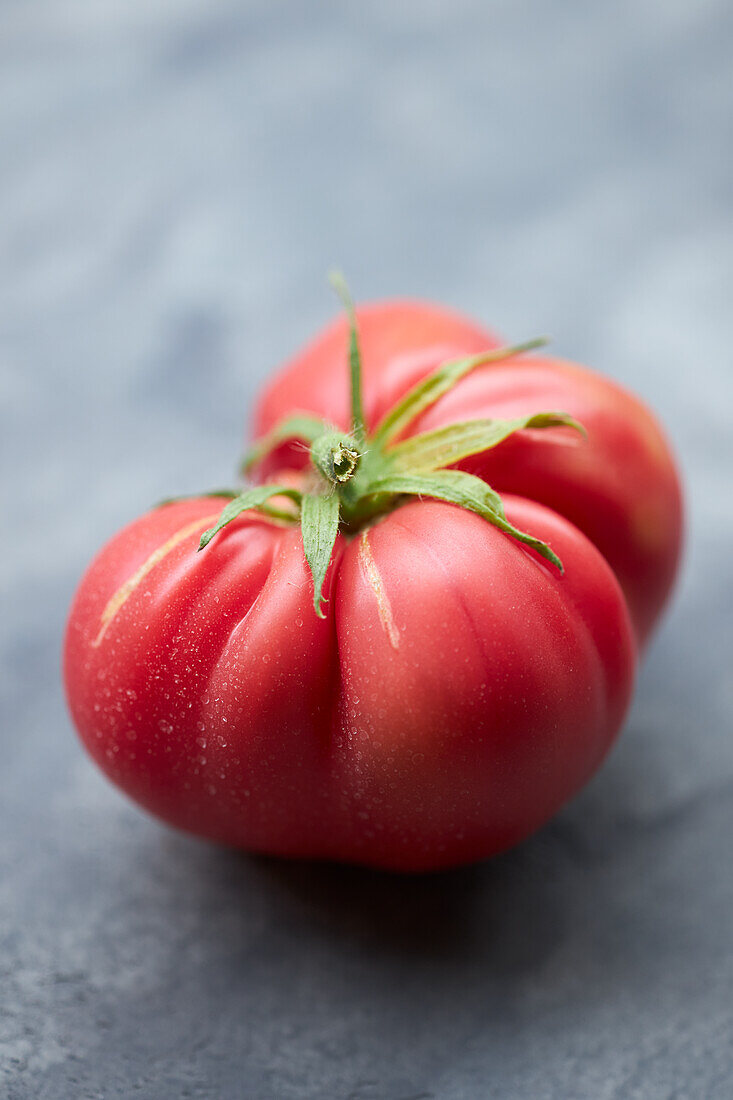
376,657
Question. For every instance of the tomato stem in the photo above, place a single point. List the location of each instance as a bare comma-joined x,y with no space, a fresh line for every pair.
336,456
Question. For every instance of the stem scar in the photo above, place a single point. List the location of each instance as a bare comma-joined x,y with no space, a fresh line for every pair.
122,594
374,578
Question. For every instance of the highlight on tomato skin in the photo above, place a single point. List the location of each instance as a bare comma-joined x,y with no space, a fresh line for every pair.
378,652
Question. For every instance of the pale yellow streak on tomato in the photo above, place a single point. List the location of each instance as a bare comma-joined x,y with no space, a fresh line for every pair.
122,594
374,578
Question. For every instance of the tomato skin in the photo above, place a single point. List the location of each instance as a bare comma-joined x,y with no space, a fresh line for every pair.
218,700
620,487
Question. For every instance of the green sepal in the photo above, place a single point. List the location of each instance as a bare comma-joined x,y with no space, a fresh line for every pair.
358,423
300,427
427,392
229,494
445,446
250,498
467,491
361,476
225,493
319,520
284,518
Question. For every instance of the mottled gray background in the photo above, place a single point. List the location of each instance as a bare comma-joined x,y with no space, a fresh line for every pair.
175,178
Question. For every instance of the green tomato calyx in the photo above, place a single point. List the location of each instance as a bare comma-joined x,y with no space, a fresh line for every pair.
358,475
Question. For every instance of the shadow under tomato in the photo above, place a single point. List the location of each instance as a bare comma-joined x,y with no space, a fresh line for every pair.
509,913
507,902
511,910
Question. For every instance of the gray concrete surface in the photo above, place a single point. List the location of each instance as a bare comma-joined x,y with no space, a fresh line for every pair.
176,176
